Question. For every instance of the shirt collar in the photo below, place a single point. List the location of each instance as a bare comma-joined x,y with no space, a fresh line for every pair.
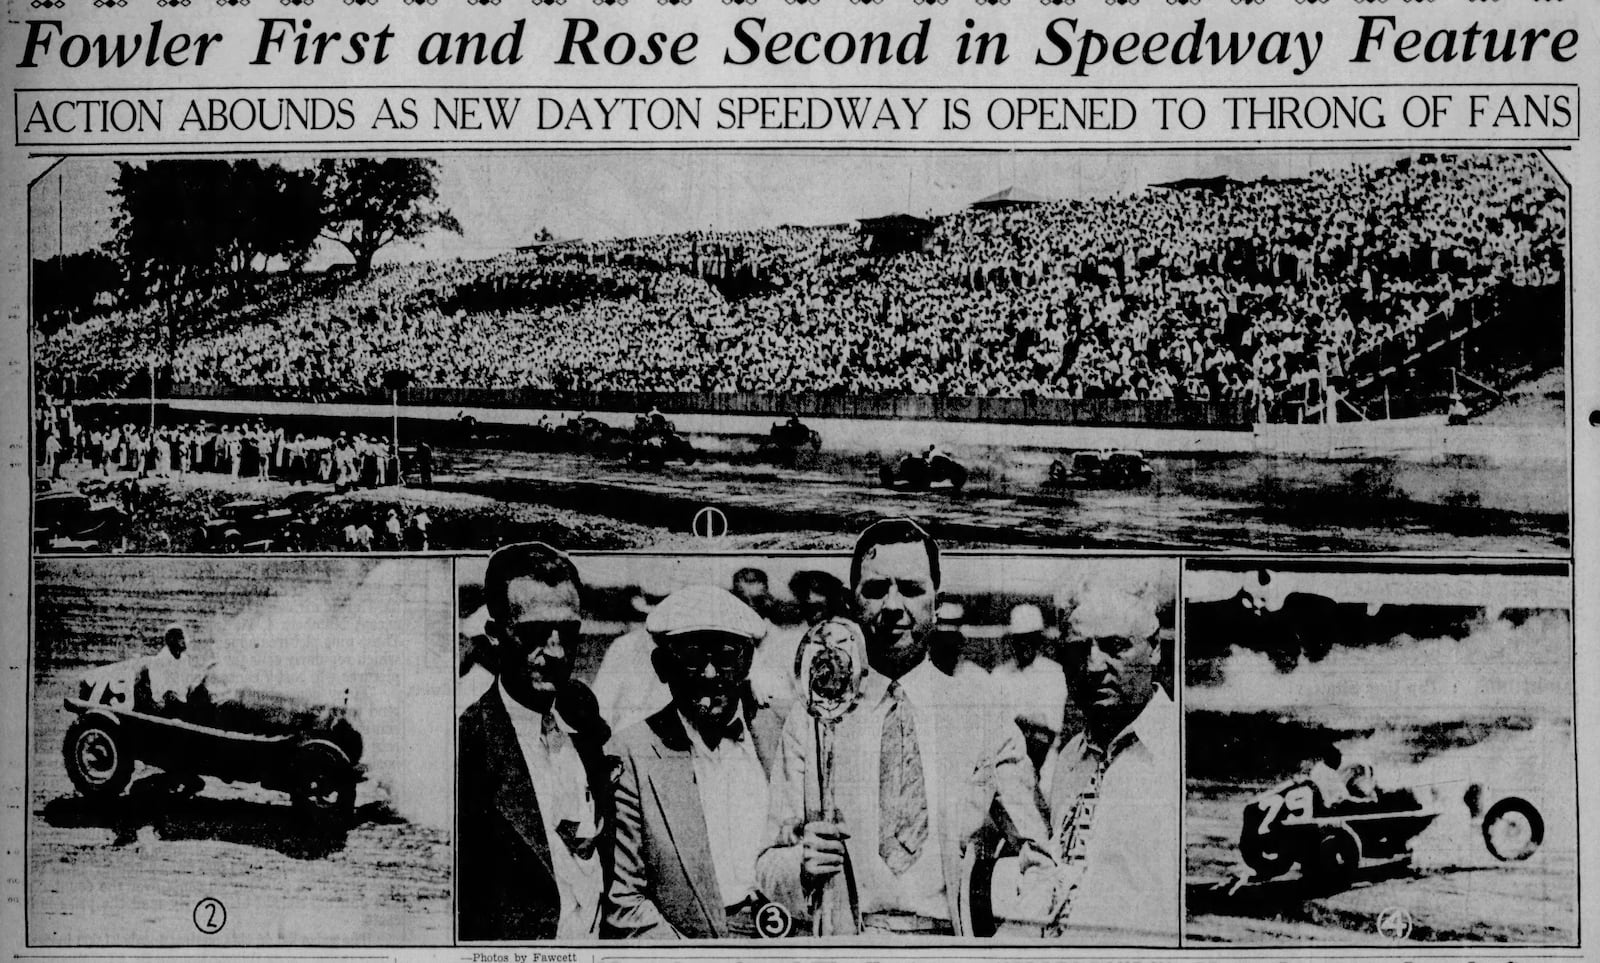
917,684
697,745
527,719
1150,727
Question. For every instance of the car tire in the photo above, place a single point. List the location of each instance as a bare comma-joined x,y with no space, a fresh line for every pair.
1058,472
97,758
886,476
1265,862
323,785
958,477
1512,829
1338,856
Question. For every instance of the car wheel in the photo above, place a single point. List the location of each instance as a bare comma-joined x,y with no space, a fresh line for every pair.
97,758
1512,829
958,477
1058,471
1338,857
1264,857
323,784
886,476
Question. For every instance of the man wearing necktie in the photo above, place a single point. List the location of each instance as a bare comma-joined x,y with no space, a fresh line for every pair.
918,763
534,800
1112,788
691,786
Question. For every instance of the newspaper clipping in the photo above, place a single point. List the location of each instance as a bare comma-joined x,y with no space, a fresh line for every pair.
563,481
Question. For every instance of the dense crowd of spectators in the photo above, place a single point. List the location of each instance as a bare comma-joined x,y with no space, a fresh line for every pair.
1237,291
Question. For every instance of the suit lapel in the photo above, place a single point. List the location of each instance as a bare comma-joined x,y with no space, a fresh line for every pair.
514,795
677,798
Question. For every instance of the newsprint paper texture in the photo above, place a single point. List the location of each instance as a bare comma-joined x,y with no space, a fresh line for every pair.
561,481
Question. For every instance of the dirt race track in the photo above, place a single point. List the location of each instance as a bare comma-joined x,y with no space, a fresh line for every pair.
130,870
1194,502
1469,899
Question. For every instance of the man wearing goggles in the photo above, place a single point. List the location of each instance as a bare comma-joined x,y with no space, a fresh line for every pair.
691,789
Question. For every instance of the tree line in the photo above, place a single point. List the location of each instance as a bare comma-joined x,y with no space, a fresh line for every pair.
190,232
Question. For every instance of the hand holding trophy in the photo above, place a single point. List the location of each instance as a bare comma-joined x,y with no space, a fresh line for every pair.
831,662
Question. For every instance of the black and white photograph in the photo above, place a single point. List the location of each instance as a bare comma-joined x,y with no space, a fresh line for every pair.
230,752
1379,754
877,748
1274,350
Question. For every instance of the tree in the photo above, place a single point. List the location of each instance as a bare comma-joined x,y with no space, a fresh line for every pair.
370,203
67,289
281,213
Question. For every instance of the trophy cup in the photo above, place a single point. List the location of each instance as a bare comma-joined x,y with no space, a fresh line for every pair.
832,661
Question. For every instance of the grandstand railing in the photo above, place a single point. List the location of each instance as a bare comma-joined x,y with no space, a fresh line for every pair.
1214,415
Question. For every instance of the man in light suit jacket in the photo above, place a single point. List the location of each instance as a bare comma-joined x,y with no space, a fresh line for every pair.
692,783
920,763
534,803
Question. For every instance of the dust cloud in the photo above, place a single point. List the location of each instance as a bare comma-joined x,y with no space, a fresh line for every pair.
382,647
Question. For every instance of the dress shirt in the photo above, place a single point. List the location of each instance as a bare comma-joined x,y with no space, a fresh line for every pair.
1038,692
920,889
561,786
733,796
1128,892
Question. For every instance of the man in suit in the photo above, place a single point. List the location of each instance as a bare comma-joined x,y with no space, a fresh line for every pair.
692,785
534,804
918,763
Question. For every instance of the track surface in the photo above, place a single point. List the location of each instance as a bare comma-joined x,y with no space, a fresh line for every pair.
1469,898
130,871
1194,502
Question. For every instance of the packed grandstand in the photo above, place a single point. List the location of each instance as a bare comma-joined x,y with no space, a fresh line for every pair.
1217,291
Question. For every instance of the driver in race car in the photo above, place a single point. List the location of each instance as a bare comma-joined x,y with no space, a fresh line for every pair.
172,676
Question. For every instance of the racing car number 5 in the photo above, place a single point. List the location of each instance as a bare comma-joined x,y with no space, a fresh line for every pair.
1298,803
110,692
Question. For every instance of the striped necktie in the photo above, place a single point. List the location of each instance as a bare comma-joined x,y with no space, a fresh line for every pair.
902,797
1075,834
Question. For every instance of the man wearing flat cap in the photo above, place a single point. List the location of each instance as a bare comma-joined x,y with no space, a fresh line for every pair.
534,805
1112,788
691,790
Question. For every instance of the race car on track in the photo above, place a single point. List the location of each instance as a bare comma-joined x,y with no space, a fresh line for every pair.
1101,469
589,435
789,443
1292,824
308,750
919,472
655,445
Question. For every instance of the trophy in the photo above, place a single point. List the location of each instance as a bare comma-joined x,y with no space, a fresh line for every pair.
831,662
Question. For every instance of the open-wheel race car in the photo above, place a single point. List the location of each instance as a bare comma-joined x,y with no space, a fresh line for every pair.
587,434
789,443
657,444
308,750
917,473
1292,824
1100,469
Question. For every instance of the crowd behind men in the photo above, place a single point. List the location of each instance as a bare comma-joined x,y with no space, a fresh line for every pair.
685,802
1247,291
